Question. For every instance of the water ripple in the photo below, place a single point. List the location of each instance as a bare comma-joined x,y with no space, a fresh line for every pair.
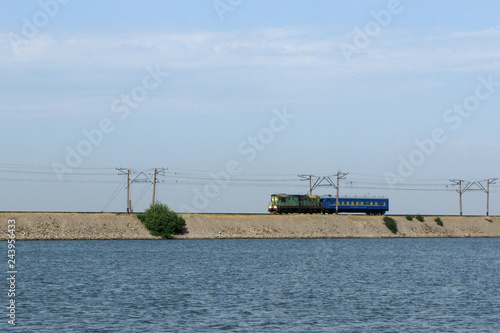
315,285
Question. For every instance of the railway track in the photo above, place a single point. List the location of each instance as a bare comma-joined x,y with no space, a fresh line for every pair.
119,213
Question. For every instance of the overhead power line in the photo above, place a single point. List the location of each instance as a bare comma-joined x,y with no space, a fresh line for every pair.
18,173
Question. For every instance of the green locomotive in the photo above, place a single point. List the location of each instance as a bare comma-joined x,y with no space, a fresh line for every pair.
292,203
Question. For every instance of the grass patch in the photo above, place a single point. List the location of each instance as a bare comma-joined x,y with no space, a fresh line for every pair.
420,218
391,224
438,221
162,221
409,217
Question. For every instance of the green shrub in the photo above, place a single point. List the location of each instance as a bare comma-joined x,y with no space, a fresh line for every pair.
161,221
391,224
438,221
420,218
409,217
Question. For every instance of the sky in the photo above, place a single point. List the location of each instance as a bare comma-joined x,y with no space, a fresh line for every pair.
232,100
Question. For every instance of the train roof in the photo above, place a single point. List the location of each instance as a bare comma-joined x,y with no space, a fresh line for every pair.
354,198
326,196
296,195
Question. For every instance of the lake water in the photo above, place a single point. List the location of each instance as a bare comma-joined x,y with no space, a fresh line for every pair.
276,285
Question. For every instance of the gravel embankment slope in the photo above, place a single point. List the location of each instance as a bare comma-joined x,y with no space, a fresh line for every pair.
75,226
30,226
331,226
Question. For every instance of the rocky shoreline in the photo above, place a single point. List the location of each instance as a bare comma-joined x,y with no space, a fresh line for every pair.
74,226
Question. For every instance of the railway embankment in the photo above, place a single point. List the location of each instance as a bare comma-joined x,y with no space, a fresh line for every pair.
69,226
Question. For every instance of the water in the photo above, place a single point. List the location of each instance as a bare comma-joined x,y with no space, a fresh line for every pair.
316,285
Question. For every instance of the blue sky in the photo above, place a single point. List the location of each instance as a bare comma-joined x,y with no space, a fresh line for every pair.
361,81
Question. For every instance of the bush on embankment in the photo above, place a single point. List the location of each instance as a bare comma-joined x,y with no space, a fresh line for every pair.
391,224
438,221
162,221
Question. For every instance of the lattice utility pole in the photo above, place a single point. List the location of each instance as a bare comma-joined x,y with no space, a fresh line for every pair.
311,185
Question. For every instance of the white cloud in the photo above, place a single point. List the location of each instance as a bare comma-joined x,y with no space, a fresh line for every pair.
84,72
291,47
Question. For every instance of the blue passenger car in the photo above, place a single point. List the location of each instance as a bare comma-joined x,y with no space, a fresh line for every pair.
369,206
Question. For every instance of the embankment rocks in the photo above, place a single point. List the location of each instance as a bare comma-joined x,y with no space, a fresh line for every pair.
31,226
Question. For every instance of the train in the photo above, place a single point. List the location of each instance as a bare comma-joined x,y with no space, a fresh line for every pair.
315,204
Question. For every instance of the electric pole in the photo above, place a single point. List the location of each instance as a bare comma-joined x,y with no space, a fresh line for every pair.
306,177
311,185
154,187
142,177
155,180
460,191
124,171
488,182
129,205
459,183
340,175
466,187
487,190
